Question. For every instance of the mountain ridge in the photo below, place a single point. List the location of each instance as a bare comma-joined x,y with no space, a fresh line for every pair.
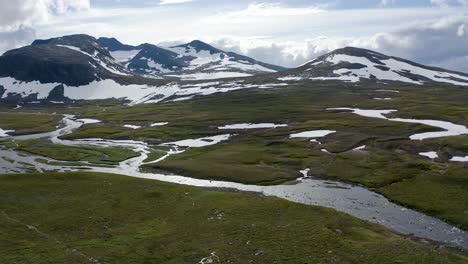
81,67
355,64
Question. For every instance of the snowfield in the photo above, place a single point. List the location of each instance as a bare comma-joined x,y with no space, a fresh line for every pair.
136,94
210,75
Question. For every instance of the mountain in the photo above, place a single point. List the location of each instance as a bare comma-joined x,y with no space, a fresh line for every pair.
72,60
207,62
354,64
192,61
81,67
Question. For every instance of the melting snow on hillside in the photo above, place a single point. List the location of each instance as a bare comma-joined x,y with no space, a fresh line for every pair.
210,75
123,56
390,69
136,94
105,64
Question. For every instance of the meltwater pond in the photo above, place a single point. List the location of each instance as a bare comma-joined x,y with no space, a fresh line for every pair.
354,200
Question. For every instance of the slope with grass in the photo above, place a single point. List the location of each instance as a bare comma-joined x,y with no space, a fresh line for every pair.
86,217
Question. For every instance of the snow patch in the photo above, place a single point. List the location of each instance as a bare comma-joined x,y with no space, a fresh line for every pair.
159,124
312,134
252,126
429,154
199,142
459,159
122,56
88,121
291,78
4,133
132,126
360,148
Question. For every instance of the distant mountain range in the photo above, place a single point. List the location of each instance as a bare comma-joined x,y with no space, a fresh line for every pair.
192,61
79,67
81,59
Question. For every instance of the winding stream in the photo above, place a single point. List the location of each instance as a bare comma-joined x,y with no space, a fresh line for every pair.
343,197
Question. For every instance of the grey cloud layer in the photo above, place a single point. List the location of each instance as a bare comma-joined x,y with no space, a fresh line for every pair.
442,43
282,35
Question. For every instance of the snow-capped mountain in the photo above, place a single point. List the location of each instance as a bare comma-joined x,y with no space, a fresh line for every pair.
72,60
146,59
354,64
80,67
192,61
204,61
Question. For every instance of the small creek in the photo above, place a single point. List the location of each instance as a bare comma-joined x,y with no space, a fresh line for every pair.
354,200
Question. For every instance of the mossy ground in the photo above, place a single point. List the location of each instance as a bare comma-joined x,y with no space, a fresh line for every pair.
118,219
390,163
68,153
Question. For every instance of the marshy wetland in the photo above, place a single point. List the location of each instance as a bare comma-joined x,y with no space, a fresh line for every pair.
369,168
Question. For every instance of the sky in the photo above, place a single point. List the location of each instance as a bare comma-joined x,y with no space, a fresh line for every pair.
286,33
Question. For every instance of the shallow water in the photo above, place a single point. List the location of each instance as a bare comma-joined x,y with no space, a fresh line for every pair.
449,129
347,198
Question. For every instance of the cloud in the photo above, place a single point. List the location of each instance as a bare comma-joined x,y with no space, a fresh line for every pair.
447,3
461,30
170,2
27,12
17,18
271,32
20,37
440,42
260,11
386,2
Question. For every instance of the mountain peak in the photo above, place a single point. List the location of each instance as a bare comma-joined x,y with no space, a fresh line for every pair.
69,38
113,44
199,45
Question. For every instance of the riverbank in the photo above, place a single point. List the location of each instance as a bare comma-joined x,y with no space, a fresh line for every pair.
79,217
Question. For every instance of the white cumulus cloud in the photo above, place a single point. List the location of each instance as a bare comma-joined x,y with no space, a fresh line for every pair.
170,2
18,17
440,42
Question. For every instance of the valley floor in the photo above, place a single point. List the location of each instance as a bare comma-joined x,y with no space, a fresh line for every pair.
102,218
375,153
